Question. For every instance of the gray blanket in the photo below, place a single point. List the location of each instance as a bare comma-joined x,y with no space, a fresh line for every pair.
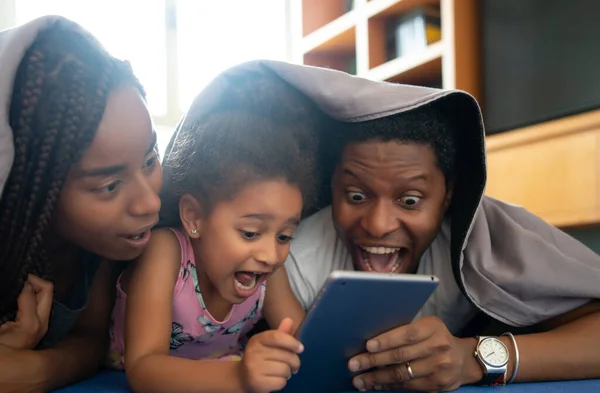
509,263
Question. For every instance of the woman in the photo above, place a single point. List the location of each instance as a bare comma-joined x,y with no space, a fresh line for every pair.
79,177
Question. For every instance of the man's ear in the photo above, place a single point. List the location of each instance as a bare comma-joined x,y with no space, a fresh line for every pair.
192,215
449,194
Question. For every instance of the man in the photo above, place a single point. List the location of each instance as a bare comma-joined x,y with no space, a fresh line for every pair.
404,172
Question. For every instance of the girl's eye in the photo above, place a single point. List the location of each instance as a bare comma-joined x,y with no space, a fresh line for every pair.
284,238
151,162
410,200
356,196
248,235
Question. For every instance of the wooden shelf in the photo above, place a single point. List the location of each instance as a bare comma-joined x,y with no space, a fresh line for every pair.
552,169
419,68
385,8
337,36
319,13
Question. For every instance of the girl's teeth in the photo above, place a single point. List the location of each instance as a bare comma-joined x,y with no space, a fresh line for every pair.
248,287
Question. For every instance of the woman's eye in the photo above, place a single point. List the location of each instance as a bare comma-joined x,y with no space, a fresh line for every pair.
410,200
248,235
109,188
356,196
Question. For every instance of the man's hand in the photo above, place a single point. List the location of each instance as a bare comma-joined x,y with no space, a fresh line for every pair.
421,356
270,359
31,324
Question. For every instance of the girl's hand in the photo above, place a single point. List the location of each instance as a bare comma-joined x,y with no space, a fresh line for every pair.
270,359
31,324
435,356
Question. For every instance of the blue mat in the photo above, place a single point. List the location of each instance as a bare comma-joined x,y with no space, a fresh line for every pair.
115,382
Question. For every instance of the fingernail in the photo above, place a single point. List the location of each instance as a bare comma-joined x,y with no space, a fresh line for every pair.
296,371
300,348
372,345
354,365
359,383
28,286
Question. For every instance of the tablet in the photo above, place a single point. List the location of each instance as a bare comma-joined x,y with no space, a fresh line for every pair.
351,308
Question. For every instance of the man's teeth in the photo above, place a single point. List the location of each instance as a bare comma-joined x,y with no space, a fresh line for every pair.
250,285
367,261
380,250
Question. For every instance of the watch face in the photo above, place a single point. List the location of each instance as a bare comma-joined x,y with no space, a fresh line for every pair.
493,352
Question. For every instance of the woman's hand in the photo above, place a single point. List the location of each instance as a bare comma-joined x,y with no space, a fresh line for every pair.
420,356
31,324
19,371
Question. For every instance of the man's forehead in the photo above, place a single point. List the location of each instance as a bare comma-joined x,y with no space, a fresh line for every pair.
386,150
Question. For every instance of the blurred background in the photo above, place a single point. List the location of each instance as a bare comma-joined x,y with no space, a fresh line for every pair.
534,66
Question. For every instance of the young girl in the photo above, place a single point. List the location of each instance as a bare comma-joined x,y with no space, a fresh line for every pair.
81,189
237,179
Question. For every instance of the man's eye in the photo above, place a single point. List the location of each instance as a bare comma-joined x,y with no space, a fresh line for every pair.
410,200
356,196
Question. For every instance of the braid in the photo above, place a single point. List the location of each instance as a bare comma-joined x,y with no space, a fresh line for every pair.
58,101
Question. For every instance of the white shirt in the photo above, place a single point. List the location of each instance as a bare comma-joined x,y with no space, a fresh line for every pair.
316,251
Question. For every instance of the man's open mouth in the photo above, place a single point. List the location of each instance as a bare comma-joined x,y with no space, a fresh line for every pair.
381,259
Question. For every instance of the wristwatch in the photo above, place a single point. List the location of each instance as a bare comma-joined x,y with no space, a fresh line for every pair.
493,356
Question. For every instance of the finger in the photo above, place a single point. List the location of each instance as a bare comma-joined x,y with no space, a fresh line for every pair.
7,326
277,339
393,374
267,377
26,307
282,356
273,384
286,326
44,293
396,355
274,368
404,335
393,387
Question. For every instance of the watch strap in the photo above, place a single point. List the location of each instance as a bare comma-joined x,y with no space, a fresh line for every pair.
492,379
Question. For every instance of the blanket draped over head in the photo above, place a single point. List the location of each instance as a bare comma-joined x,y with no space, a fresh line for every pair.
509,263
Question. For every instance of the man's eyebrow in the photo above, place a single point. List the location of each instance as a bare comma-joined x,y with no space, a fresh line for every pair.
418,177
349,173
412,178
153,144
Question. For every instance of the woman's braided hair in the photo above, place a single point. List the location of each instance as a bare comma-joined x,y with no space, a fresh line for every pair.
58,100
